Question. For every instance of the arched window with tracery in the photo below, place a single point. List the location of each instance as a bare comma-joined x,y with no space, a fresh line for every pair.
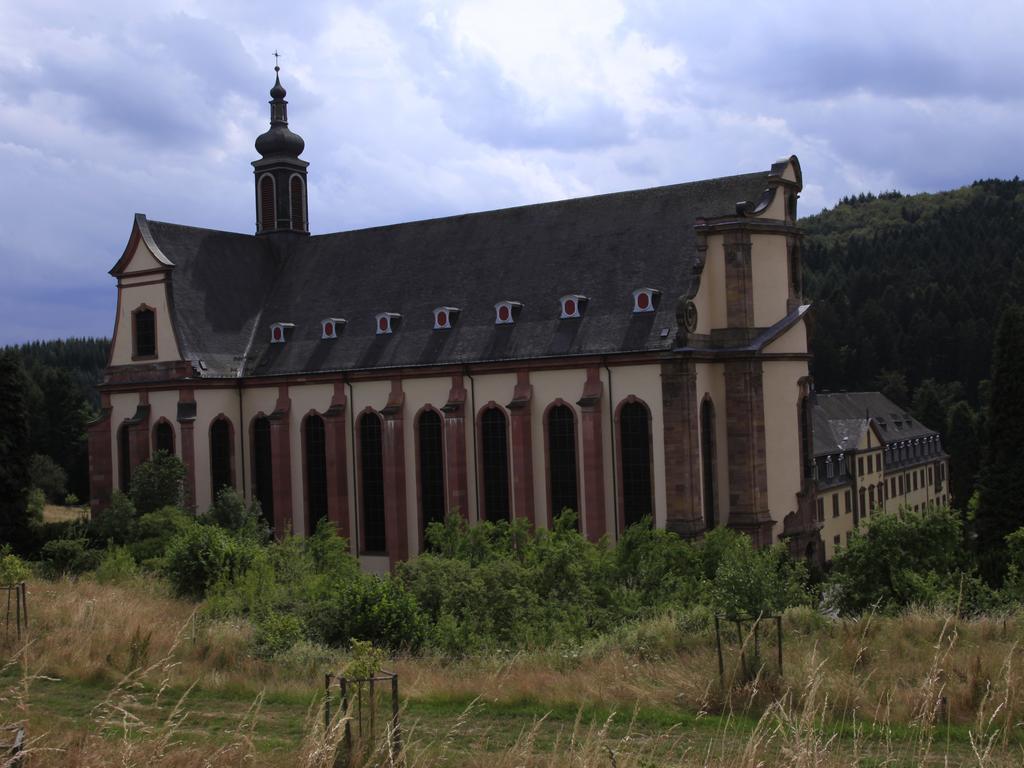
371,470
494,463
316,471
562,478
124,458
263,468
635,443
268,206
431,467
708,462
297,190
163,437
221,474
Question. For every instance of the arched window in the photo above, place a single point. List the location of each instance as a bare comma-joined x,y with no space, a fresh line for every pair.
806,456
562,460
298,200
124,458
708,462
144,320
371,461
163,437
635,440
263,468
221,475
268,208
431,448
494,461
871,499
316,472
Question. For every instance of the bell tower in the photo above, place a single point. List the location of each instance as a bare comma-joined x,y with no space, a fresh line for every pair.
281,204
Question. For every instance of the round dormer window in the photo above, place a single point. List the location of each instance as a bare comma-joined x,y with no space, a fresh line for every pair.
442,318
643,300
382,324
504,313
278,333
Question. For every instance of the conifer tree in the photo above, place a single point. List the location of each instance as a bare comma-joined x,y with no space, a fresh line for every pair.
14,456
964,449
1001,485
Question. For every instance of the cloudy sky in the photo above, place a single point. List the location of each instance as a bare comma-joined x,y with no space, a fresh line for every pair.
419,109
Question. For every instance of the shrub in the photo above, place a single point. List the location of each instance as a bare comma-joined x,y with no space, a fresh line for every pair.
277,632
67,557
12,570
116,524
116,566
752,582
153,532
34,506
70,500
230,513
203,555
46,475
159,482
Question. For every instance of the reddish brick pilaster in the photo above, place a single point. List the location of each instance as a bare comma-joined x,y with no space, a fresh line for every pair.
281,460
594,522
683,514
521,410
335,424
101,467
748,474
186,423
739,282
395,513
455,447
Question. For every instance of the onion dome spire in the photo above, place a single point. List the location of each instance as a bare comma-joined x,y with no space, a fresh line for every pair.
279,141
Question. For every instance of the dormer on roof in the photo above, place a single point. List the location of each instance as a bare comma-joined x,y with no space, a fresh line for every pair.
330,326
645,299
572,305
279,332
445,317
506,312
387,322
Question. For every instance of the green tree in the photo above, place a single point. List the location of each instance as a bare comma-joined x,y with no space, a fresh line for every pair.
964,449
928,406
48,476
1001,483
158,483
14,479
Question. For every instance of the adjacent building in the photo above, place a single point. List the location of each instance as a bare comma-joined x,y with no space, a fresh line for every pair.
870,456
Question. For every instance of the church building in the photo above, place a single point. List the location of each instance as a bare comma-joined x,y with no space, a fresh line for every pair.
632,355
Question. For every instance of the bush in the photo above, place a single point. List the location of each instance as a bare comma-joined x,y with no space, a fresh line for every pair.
153,532
277,632
70,500
230,513
752,582
117,566
116,524
34,506
203,555
157,483
46,475
12,570
67,557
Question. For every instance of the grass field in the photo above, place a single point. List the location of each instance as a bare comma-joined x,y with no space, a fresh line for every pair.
128,675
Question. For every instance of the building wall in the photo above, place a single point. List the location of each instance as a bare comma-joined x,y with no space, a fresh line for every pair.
782,435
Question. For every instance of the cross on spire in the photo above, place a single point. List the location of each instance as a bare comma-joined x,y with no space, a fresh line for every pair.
277,63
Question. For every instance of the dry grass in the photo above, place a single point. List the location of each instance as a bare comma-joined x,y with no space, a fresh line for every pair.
53,513
129,675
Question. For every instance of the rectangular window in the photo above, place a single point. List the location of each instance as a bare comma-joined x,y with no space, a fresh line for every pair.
849,535
821,510
860,465
901,485
930,475
892,487
846,502
835,505
915,479
836,541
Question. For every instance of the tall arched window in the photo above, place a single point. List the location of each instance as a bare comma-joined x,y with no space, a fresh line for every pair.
124,458
316,472
268,208
562,460
298,200
494,461
163,437
708,462
635,442
371,465
263,468
431,448
806,454
221,475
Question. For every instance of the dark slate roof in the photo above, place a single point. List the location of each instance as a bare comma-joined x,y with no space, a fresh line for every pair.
602,247
839,419
219,283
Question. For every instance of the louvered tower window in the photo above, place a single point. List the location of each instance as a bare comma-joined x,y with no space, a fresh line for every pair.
431,445
371,460
316,471
494,458
298,199
562,459
268,210
635,439
220,456
262,468
145,333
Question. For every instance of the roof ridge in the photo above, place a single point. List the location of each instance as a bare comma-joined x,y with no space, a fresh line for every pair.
200,229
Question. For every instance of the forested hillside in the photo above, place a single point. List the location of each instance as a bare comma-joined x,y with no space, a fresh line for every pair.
910,288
